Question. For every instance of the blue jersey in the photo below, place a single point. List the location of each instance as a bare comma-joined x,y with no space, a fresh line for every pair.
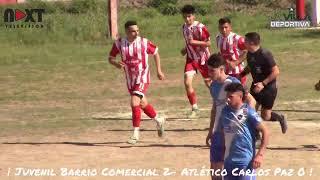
219,96
239,127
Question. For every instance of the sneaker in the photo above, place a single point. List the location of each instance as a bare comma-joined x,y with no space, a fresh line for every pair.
194,114
160,125
283,124
133,140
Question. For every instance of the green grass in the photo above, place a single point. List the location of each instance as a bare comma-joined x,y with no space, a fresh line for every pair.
54,79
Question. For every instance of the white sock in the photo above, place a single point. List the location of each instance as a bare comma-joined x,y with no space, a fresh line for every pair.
136,132
156,118
194,106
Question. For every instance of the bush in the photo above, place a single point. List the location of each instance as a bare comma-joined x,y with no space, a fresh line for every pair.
159,3
165,7
83,6
203,8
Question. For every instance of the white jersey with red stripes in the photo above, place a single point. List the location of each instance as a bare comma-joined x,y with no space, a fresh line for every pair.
231,47
197,31
135,56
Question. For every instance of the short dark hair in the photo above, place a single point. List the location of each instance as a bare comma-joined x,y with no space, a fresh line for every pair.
253,37
129,23
224,20
235,87
216,60
188,9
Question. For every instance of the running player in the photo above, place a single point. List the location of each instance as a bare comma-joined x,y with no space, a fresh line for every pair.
232,48
264,71
197,39
134,52
216,70
240,123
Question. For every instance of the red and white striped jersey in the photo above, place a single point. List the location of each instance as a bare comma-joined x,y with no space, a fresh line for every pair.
231,48
135,57
197,31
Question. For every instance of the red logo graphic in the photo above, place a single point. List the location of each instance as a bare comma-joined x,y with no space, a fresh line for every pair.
19,14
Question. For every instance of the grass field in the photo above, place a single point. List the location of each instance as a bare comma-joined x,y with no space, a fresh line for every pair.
51,88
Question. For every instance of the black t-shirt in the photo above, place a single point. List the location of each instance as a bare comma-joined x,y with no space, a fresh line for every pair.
261,63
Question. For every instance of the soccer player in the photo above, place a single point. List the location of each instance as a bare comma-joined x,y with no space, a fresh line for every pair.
216,71
240,123
264,71
134,51
197,39
232,48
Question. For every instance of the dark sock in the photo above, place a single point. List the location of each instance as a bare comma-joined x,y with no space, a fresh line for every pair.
275,117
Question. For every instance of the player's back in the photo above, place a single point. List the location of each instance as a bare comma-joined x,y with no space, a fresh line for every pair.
219,95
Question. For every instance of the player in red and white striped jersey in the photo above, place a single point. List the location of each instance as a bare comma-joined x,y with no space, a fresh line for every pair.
197,39
134,51
232,48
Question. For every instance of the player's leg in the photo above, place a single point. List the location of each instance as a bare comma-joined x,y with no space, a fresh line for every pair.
136,118
150,112
217,150
203,69
268,97
190,71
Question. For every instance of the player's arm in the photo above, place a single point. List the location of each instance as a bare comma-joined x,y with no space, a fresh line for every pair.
274,74
200,43
117,64
242,57
212,120
183,51
246,71
158,66
152,49
257,161
112,57
205,39
250,100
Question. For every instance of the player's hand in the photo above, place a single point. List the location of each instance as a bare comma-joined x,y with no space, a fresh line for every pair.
183,51
160,75
120,65
208,139
258,87
257,161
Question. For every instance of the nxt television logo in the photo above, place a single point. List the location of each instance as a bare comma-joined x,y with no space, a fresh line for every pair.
30,18
291,21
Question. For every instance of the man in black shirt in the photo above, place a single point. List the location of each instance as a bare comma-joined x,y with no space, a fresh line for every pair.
264,71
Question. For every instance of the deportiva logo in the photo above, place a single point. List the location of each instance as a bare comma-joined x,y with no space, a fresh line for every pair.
290,21
32,18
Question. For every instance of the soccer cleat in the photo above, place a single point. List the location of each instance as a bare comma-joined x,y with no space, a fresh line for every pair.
194,114
283,124
160,125
133,140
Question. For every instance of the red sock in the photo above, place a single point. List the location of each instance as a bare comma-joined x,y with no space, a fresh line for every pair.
136,116
192,98
149,111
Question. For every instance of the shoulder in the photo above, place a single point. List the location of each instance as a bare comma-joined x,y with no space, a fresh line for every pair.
252,113
237,36
232,79
201,25
265,52
225,109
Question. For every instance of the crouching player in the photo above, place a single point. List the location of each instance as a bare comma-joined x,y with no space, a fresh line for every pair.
134,52
240,123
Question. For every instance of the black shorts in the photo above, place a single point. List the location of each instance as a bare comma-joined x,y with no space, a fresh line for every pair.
267,96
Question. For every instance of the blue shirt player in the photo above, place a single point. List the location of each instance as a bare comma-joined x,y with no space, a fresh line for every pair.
216,71
239,124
